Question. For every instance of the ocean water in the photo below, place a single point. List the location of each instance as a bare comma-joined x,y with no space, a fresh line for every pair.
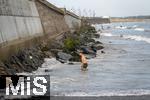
124,68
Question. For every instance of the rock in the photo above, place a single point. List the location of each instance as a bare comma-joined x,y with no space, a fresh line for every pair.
75,58
31,59
71,63
102,52
90,44
44,46
48,70
9,68
3,69
96,36
55,51
17,62
48,54
63,57
91,40
98,42
16,67
56,44
98,46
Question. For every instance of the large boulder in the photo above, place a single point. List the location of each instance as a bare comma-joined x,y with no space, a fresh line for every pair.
55,51
99,46
98,42
63,57
96,35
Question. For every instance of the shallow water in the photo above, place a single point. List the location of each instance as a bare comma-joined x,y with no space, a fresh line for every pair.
124,69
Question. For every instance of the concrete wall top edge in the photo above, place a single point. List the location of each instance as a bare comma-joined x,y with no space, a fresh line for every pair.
73,15
70,13
53,7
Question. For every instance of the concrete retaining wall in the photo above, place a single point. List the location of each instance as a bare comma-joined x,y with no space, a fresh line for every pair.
25,23
20,25
52,18
19,19
72,22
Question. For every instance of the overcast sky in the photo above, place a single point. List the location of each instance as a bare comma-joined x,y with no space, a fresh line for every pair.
106,7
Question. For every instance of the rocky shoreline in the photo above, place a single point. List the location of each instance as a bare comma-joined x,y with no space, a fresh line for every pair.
64,50
30,59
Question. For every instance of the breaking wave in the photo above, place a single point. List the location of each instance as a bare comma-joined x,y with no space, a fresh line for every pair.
132,37
139,29
137,38
133,28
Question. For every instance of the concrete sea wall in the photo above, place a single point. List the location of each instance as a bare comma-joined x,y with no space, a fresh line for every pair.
28,31
26,23
52,18
19,25
18,19
72,20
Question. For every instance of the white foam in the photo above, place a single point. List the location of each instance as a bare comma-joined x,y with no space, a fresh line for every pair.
124,27
137,38
107,34
119,27
139,29
50,63
134,26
